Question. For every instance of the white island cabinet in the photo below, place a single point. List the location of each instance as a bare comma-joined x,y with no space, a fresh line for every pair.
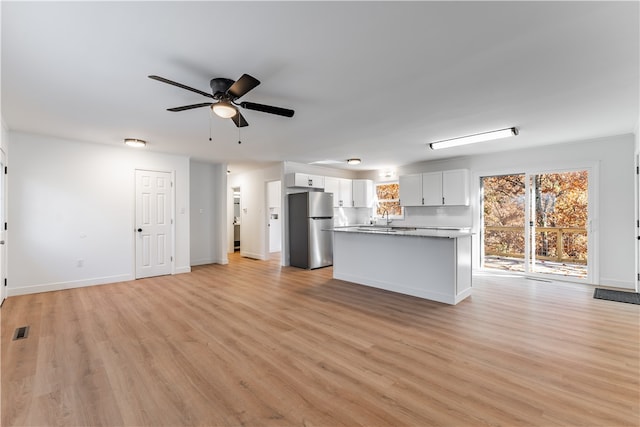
430,264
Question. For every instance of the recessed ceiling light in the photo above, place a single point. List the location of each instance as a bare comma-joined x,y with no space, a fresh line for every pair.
354,161
133,142
472,139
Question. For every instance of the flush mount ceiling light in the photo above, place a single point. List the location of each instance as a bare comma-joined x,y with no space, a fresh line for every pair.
224,109
136,143
354,161
472,139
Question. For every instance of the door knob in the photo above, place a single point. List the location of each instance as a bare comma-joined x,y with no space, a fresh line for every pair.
139,230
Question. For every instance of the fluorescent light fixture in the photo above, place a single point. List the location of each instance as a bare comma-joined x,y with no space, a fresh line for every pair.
133,142
354,161
326,162
472,139
224,109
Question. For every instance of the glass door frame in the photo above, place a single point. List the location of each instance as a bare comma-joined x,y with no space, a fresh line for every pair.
591,226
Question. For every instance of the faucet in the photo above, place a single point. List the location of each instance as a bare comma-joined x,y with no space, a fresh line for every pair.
388,220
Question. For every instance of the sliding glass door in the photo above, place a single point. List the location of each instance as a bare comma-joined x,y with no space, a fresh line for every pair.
558,225
537,223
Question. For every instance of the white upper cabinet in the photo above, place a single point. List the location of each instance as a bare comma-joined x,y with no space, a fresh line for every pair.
432,189
448,188
341,189
305,180
455,187
411,190
362,193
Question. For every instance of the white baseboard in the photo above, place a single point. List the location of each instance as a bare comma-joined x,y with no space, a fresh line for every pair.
34,289
253,255
202,262
181,270
222,261
617,284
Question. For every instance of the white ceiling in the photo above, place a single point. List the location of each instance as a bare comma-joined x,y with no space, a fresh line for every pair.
376,80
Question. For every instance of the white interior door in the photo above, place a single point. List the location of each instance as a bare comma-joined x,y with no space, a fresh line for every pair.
154,243
3,252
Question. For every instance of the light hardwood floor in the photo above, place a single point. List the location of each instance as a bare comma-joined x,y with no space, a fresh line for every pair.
254,344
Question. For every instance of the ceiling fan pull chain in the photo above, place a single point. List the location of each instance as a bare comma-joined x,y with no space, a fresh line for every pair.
210,118
239,141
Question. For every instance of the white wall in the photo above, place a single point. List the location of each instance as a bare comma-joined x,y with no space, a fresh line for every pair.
615,157
208,213
73,200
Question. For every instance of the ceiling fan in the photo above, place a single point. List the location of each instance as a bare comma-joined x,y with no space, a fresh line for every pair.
226,92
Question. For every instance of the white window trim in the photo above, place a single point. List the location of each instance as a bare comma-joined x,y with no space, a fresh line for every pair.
376,201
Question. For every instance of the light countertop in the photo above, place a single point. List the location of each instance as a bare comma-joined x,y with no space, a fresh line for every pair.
448,232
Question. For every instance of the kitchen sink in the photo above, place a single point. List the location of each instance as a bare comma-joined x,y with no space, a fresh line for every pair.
378,229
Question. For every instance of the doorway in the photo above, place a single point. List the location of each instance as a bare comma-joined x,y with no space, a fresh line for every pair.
538,224
274,217
236,218
154,219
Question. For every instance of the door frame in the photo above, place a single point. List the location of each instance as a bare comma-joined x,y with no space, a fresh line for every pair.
231,216
172,200
593,252
637,196
3,233
267,237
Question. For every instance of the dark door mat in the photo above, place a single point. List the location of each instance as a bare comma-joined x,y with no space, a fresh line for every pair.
619,296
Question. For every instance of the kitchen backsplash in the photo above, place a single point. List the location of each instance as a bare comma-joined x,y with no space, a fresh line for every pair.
449,216
446,216
351,216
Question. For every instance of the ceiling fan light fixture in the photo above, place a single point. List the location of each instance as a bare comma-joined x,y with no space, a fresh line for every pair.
354,161
224,109
472,139
136,143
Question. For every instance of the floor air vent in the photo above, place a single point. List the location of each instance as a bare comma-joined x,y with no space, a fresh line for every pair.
21,333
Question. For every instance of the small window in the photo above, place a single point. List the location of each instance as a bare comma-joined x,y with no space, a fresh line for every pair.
388,197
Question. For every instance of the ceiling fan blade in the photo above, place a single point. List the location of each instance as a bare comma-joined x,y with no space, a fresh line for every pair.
267,109
180,85
243,85
189,107
239,120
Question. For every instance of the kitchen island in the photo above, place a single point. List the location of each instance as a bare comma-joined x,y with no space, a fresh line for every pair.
433,264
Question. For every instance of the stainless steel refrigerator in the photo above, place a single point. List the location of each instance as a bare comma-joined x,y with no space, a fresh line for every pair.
310,215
